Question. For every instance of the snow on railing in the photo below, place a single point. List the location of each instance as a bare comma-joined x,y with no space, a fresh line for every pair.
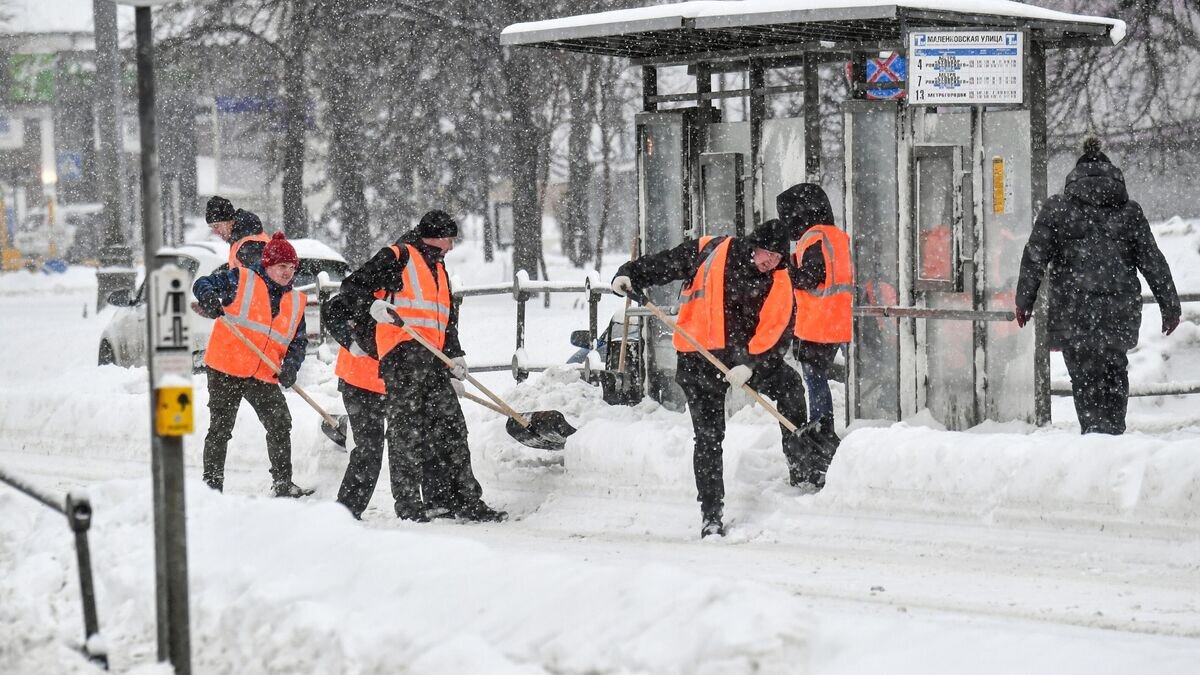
78,510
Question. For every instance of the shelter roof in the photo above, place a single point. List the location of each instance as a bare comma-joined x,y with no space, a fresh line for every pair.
669,32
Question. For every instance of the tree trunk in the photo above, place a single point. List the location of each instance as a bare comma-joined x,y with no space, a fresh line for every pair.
523,166
295,107
576,243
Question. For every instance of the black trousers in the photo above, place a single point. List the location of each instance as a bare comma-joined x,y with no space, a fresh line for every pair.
705,387
427,442
368,420
225,394
1099,384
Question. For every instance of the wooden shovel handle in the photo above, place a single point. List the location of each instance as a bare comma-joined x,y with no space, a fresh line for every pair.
275,369
625,328
507,409
720,366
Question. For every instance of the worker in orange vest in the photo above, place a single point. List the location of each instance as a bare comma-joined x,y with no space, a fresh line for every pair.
364,395
738,304
823,277
241,229
263,307
426,433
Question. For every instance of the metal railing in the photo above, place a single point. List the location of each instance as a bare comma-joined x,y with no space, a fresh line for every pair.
522,290
78,510
1063,388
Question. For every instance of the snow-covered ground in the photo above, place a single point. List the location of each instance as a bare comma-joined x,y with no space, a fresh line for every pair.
1004,549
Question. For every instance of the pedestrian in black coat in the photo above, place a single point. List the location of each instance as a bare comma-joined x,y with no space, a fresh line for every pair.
1094,240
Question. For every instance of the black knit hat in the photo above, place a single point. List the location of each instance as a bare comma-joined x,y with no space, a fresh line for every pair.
1091,152
771,235
218,210
437,225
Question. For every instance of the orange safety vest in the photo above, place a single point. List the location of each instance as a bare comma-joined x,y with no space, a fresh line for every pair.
824,314
702,305
423,303
360,371
236,246
250,314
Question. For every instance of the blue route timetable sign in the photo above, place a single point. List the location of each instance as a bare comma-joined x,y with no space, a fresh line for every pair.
966,67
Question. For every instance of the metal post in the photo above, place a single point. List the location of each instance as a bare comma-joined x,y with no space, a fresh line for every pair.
166,452
520,375
1039,187
116,258
758,113
649,88
79,515
812,117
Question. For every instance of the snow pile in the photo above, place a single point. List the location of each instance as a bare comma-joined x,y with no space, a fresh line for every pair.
25,283
1135,479
300,587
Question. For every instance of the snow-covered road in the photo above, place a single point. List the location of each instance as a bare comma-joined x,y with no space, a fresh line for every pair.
1011,550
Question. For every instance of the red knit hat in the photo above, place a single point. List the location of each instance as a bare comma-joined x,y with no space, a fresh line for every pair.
278,250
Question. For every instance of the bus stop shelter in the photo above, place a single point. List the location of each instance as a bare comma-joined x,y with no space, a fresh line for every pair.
945,156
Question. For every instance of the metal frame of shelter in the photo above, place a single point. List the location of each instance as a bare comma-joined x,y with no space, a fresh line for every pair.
754,42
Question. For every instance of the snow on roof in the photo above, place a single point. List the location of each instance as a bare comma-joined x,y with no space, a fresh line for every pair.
53,16
724,13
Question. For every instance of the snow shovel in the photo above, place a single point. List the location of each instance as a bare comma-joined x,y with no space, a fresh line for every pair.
543,429
721,367
335,429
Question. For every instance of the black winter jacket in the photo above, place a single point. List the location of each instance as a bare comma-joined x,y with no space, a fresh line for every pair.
745,292
1094,240
247,224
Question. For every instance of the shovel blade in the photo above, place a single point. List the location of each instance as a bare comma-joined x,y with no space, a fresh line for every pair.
547,430
336,434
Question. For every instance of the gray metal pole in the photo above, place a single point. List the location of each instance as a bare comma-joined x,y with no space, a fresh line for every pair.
116,258
812,118
1040,188
166,461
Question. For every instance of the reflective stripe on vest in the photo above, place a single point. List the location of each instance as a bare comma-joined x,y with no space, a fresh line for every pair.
825,313
702,310
360,371
236,246
250,313
423,303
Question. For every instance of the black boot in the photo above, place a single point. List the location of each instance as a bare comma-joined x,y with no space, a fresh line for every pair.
414,511
286,488
828,434
480,512
710,514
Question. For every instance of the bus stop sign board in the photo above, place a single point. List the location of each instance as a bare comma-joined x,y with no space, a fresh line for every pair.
966,67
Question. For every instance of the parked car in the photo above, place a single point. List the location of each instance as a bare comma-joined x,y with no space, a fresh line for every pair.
123,341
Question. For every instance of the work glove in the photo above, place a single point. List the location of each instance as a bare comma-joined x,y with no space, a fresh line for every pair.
1169,325
383,312
623,286
208,312
1023,316
287,378
459,388
739,375
356,350
459,369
